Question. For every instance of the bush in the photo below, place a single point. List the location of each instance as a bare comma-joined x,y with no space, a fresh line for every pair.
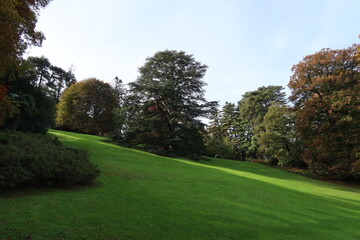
219,150
39,160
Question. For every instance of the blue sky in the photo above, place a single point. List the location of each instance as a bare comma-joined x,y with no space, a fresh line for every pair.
246,44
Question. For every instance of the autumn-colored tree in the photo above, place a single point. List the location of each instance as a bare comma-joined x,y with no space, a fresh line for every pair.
17,31
18,19
87,107
7,109
325,92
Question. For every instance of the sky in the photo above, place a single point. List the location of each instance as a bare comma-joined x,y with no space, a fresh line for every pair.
245,43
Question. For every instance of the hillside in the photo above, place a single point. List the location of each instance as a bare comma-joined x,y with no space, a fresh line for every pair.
144,196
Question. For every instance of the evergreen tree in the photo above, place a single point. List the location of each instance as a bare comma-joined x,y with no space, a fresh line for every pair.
166,103
121,112
279,142
232,129
252,109
215,131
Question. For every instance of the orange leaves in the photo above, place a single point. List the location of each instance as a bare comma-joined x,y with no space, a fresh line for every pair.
17,29
3,92
325,90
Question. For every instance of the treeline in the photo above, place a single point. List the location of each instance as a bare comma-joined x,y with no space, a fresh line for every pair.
159,112
318,128
30,92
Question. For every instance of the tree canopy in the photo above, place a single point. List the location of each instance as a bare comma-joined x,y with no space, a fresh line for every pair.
87,107
325,91
167,101
278,141
17,29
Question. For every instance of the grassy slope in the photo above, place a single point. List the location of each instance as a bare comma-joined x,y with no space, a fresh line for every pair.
143,196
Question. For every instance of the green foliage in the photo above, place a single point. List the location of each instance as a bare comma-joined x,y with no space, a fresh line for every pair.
239,127
7,108
33,106
252,109
38,160
120,120
87,106
52,78
278,142
214,129
166,103
325,91
144,196
219,149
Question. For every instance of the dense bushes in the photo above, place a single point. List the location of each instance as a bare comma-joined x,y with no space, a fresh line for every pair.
38,160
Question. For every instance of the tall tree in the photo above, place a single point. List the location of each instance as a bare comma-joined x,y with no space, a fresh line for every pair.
87,107
232,129
252,109
121,112
228,119
215,131
50,77
279,142
167,102
217,145
325,91
17,29
33,108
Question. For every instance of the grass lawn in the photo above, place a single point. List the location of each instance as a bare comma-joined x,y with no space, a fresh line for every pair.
143,196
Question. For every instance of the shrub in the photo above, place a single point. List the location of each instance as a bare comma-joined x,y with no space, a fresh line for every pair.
39,160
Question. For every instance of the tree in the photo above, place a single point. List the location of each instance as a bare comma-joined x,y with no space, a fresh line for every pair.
278,142
17,29
231,127
217,145
214,129
228,119
33,90
54,79
7,109
121,112
87,107
120,90
31,105
252,109
167,101
325,92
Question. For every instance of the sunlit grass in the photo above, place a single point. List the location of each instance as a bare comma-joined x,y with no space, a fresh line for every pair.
144,196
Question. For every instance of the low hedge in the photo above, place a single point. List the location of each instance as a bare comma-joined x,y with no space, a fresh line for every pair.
40,160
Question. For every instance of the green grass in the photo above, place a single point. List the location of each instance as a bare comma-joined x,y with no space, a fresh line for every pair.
143,196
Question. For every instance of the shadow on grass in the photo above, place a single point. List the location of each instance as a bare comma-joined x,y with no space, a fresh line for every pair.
30,191
240,201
